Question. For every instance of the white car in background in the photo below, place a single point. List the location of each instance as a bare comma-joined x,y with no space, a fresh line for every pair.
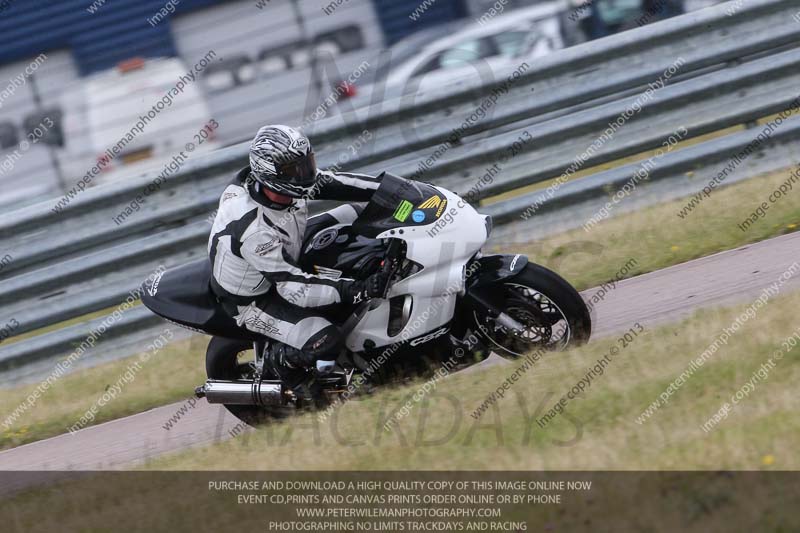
477,49
115,101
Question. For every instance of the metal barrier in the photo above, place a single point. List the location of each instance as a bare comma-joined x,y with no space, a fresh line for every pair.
703,72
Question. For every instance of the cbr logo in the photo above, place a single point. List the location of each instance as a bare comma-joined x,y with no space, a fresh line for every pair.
429,337
514,263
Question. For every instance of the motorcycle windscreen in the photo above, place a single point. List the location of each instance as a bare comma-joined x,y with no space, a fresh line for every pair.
400,203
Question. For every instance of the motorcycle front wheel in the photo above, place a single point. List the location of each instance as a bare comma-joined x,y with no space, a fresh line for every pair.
552,312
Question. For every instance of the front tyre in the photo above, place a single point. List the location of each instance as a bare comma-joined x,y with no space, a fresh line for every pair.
553,313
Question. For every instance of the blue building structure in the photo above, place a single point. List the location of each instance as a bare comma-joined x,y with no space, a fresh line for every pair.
101,33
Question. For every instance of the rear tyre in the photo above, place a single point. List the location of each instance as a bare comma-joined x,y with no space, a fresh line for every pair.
223,362
555,315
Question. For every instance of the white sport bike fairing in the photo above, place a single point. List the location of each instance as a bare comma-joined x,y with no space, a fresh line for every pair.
445,302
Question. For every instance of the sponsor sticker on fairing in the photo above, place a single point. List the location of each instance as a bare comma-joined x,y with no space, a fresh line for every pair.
403,210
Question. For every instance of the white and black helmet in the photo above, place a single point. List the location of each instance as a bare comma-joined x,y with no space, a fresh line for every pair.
282,161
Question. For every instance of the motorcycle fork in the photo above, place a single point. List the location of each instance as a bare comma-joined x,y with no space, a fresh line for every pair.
489,305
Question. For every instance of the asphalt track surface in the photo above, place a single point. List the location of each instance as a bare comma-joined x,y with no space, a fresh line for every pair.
668,295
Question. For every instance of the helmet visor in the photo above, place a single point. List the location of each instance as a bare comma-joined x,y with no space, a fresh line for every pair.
300,172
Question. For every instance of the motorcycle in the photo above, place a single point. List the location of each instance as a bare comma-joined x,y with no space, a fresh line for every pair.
444,297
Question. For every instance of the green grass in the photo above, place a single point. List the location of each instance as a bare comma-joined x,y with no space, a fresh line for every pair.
597,431
657,238
169,376
654,237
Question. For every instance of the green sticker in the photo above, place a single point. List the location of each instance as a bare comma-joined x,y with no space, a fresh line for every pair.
403,210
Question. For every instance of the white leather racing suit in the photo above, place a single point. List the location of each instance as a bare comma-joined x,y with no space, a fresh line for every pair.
255,248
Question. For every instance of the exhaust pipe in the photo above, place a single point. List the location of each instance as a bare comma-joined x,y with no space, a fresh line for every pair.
243,392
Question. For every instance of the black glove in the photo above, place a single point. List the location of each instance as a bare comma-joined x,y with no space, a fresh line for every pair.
358,291
377,284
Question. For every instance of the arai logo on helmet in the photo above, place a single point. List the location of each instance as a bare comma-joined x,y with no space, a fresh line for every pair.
300,144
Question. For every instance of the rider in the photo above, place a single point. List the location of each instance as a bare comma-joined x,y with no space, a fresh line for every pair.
256,241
